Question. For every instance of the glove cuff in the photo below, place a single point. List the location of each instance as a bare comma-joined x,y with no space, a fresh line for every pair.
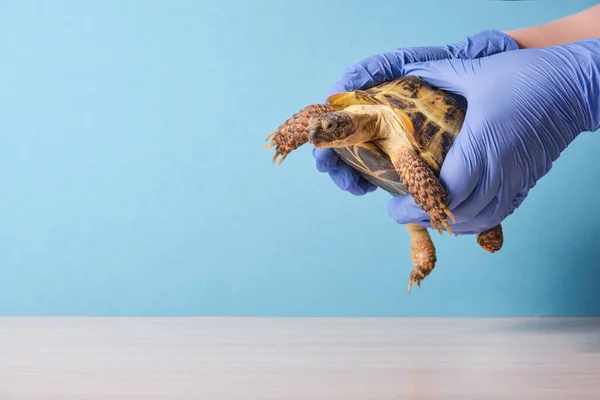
482,44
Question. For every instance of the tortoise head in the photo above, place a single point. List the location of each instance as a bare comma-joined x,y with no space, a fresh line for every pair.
332,129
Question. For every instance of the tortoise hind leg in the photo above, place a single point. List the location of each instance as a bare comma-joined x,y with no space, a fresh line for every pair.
492,239
422,254
424,186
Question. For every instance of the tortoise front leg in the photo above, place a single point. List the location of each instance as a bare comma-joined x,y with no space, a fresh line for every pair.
422,254
293,133
424,186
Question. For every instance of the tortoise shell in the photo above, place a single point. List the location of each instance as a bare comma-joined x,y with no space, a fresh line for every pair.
436,117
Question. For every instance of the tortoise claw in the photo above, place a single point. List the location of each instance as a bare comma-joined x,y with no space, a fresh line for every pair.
269,145
279,150
281,142
277,154
439,222
271,135
413,280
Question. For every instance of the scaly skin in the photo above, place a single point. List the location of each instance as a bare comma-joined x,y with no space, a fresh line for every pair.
422,254
492,239
424,187
292,133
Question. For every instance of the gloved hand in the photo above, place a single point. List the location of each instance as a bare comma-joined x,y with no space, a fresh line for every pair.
388,66
524,108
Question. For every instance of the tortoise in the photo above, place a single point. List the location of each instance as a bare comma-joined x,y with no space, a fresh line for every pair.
395,135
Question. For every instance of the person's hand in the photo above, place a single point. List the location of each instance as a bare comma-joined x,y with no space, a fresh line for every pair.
524,108
388,66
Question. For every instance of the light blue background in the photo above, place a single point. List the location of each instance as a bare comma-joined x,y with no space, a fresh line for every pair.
132,180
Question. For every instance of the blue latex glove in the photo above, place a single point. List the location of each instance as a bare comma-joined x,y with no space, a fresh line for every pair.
388,66
525,108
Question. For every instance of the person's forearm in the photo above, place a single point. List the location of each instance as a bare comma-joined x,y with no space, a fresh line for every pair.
580,26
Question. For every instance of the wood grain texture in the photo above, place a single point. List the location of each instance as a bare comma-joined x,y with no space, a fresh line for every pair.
268,359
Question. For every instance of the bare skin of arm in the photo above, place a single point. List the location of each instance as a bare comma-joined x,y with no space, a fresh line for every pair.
575,27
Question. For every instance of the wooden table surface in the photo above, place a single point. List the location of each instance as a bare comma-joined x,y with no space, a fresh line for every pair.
270,358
